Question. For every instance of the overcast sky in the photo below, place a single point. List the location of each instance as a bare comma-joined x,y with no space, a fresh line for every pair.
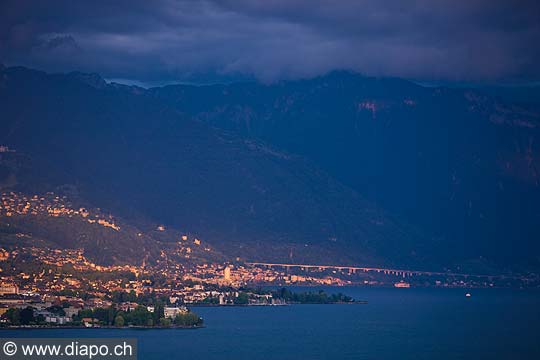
168,40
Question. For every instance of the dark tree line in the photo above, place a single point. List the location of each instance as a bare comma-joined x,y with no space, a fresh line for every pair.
309,297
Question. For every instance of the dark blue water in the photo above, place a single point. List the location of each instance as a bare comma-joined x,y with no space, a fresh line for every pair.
396,324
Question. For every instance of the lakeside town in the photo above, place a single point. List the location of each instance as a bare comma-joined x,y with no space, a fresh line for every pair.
58,287
50,286
64,288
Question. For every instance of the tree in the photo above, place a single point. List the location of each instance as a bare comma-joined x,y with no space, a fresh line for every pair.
111,315
14,316
119,321
102,315
159,312
188,319
84,313
165,322
27,316
57,309
241,299
40,319
139,316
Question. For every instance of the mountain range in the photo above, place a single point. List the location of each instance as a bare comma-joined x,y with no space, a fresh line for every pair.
340,168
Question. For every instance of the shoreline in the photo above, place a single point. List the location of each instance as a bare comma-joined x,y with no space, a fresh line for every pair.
108,327
358,302
68,327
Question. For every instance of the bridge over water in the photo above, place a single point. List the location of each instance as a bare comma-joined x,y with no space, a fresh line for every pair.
386,271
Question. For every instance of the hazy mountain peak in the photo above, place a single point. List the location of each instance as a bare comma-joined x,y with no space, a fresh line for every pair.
92,79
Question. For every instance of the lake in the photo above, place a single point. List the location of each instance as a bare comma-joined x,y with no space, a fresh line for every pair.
395,324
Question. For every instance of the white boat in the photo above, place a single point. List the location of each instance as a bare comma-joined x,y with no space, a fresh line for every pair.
402,284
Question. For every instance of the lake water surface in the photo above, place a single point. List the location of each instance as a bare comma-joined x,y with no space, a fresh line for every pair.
395,324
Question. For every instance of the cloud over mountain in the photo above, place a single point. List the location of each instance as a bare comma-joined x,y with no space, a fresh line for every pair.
476,40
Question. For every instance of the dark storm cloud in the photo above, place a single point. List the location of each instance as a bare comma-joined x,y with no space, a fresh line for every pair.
454,40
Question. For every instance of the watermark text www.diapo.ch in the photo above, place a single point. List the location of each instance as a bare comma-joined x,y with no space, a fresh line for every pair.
81,348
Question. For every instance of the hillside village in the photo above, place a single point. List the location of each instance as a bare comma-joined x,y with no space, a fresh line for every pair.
13,204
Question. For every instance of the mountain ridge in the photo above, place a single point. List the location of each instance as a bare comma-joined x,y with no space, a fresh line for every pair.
128,153
269,172
441,158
